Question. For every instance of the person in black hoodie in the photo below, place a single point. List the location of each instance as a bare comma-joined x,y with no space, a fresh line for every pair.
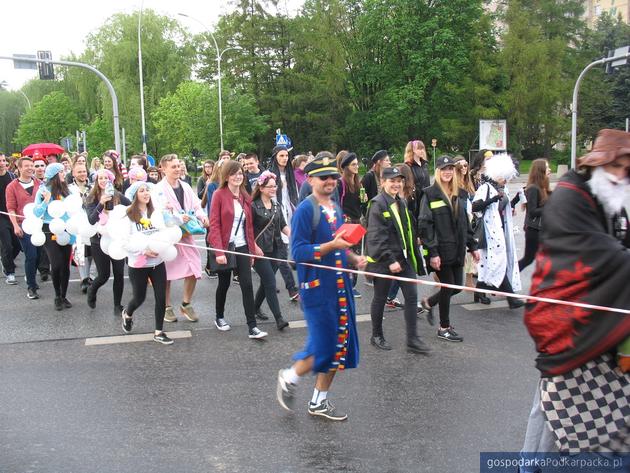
392,249
288,198
446,233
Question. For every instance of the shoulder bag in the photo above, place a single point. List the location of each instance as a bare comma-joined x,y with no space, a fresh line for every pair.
231,257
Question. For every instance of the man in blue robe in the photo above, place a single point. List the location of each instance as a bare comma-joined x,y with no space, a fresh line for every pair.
332,343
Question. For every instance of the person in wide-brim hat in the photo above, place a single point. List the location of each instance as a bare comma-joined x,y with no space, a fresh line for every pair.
609,145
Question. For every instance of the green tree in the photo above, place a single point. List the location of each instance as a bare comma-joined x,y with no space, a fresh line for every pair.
52,118
540,59
186,121
12,106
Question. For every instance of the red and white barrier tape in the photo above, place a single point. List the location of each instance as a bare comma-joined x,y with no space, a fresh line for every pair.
495,292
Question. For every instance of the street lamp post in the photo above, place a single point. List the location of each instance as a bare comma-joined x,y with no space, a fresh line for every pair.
219,54
144,131
621,54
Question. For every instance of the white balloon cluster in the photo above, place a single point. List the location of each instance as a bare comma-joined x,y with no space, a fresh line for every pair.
76,224
118,242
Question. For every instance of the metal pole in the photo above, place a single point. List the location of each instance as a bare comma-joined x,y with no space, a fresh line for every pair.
627,124
144,131
84,141
574,104
124,147
102,76
216,47
27,100
78,139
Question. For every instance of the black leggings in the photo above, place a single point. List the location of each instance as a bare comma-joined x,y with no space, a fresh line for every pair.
139,278
448,275
244,270
532,236
267,289
410,291
103,263
59,257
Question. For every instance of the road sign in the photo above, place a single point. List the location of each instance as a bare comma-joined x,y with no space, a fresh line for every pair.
17,64
67,142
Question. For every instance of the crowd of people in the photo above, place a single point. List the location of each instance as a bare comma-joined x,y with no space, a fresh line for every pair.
457,225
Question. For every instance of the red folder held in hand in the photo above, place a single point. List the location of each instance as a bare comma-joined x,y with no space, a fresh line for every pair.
353,232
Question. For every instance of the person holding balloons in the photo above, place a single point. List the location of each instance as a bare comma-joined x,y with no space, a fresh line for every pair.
100,201
49,206
20,194
145,263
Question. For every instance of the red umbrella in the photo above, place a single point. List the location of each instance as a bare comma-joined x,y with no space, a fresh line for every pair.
44,148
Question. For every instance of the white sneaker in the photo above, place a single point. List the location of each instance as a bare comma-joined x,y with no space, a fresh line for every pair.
256,333
11,279
222,324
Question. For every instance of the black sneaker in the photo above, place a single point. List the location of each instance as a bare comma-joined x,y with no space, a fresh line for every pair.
162,338
449,335
118,309
394,303
415,345
380,342
31,293
58,303
84,285
428,310
260,315
285,392
211,274
256,333
222,324
91,300
325,409
126,322
66,303
281,323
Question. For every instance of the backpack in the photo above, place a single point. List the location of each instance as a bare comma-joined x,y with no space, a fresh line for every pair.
316,212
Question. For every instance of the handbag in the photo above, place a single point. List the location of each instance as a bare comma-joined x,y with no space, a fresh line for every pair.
192,226
231,257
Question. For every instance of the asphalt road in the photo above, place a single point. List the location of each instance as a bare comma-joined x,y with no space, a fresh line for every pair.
207,403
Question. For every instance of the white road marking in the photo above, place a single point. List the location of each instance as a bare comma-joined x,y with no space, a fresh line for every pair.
141,337
302,323
494,305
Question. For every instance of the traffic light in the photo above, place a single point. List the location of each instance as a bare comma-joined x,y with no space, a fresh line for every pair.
46,71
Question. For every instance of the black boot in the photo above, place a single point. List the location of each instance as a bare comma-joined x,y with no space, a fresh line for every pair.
281,323
481,298
85,283
515,303
58,303
415,345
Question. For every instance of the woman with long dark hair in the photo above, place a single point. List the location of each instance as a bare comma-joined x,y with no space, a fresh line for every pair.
145,265
101,199
231,221
55,189
446,233
110,163
537,192
204,179
269,225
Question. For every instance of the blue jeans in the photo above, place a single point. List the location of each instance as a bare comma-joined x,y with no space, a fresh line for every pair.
393,290
31,260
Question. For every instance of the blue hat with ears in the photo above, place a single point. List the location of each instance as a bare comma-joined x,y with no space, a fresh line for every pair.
52,170
133,189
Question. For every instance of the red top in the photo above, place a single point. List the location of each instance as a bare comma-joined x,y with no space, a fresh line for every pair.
17,197
222,218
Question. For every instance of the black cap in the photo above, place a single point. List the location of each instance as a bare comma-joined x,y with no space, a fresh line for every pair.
444,161
347,160
322,166
380,154
391,173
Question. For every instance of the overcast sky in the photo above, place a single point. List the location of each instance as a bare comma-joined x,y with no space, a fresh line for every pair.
61,26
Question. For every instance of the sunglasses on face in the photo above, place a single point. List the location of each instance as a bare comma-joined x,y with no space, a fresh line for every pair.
325,178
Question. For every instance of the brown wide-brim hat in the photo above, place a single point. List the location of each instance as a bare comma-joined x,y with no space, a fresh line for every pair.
609,145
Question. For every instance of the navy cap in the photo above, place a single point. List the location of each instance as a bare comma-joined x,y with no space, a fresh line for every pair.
323,165
444,161
391,173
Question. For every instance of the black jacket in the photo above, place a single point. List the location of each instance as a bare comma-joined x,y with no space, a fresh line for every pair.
271,238
534,208
370,185
445,231
421,177
386,240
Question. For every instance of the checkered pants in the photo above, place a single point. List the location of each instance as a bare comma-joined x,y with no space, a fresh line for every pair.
588,409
